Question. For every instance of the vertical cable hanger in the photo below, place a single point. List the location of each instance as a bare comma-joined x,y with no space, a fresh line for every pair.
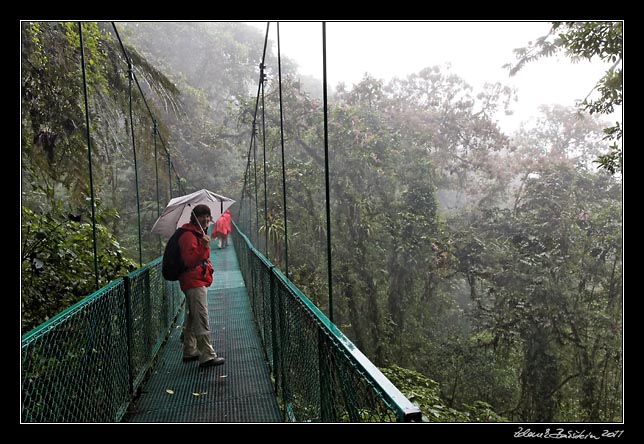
89,156
279,74
326,173
263,83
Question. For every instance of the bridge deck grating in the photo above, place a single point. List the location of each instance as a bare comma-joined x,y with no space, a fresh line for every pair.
238,391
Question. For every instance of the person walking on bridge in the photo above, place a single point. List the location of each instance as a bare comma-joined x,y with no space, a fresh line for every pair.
222,229
194,282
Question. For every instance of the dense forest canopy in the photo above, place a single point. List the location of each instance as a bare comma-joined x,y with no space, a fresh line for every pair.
483,270
589,40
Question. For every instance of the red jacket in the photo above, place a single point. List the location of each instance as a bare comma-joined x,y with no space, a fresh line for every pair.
222,226
196,256
227,220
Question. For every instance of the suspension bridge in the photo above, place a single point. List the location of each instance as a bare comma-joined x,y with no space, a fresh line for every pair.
115,356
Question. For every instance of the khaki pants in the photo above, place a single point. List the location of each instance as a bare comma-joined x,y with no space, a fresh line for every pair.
196,335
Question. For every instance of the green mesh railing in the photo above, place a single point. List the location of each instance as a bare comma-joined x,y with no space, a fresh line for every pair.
87,363
320,376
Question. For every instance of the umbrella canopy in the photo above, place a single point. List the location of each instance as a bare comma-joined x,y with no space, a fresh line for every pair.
178,210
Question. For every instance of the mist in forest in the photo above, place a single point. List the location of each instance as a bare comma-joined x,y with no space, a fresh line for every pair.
490,263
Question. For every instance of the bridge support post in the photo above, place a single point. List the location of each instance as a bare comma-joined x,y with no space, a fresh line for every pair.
274,336
327,410
128,329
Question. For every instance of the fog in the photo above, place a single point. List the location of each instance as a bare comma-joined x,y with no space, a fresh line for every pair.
476,51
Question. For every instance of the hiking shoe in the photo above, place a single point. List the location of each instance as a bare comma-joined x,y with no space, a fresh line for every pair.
190,358
212,362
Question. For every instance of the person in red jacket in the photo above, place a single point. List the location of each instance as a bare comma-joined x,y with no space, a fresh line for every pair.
194,282
222,229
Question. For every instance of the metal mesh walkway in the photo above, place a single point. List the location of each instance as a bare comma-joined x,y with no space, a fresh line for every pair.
238,391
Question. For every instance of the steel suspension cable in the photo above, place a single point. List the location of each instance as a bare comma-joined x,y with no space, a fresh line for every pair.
130,75
247,173
171,166
155,130
136,80
255,185
279,76
167,152
169,175
326,173
243,191
89,156
263,82
246,192
136,172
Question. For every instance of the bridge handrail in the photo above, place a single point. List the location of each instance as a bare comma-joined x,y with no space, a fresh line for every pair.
342,356
87,363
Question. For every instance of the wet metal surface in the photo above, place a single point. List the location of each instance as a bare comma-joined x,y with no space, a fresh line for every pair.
239,390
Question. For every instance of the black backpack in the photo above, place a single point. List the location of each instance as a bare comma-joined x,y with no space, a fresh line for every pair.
172,265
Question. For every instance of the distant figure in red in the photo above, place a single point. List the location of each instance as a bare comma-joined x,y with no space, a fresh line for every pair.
222,229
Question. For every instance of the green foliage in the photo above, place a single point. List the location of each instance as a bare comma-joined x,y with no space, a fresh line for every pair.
586,40
53,144
215,66
546,272
425,393
494,267
424,245
604,40
58,263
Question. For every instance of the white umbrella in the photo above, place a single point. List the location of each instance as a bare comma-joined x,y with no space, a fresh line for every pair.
178,210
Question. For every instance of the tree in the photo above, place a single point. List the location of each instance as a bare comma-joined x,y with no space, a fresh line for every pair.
55,161
545,283
585,40
57,262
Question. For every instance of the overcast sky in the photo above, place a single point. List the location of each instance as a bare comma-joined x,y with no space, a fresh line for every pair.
476,51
